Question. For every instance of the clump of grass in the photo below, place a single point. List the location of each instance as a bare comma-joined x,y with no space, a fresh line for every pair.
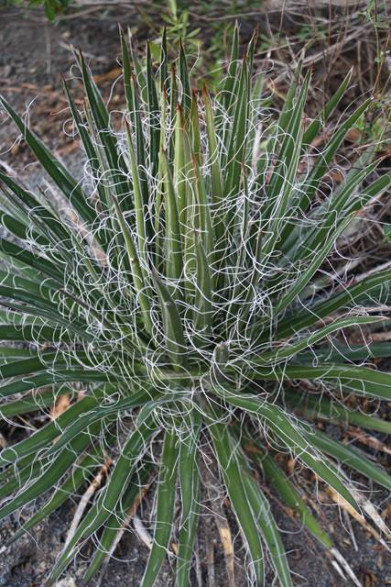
184,300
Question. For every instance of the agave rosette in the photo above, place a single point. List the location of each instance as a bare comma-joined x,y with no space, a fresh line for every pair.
182,301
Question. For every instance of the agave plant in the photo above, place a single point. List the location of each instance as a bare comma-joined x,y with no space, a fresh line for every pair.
182,298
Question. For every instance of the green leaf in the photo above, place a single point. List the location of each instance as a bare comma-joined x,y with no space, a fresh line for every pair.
327,155
140,150
292,436
364,289
315,126
228,94
127,72
21,230
27,469
111,494
174,336
42,438
33,403
214,163
292,497
163,62
61,177
135,266
59,375
101,119
237,488
32,333
36,262
349,456
52,473
154,118
333,411
81,471
204,295
165,502
237,138
349,378
48,222
278,355
115,524
105,413
190,492
286,167
185,82
89,147
317,260
173,239
140,206
269,529
25,366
